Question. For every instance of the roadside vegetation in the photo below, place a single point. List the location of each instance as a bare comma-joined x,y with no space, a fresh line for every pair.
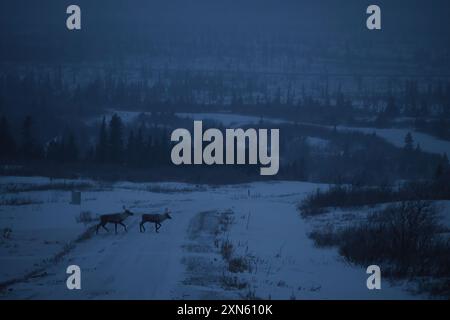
347,196
406,239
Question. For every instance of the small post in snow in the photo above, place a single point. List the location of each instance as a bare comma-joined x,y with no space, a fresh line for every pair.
76,197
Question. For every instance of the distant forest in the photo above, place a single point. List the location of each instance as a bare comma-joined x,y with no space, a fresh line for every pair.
58,92
56,137
121,151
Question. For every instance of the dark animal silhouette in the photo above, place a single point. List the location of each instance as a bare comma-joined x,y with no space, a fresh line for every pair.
116,218
154,218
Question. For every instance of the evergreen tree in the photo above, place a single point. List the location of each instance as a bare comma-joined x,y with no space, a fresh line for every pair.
71,149
7,143
409,142
418,148
28,148
439,171
102,145
340,100
445,159
115,139
54,150
140,145
149,151
391,108
130,155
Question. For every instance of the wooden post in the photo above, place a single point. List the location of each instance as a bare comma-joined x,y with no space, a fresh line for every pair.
76,197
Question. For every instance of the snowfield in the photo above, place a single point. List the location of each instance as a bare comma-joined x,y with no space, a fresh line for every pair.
185,260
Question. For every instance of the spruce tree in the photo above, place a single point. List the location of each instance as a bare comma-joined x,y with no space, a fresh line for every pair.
28,143
115,139
7,143
102,145
409,142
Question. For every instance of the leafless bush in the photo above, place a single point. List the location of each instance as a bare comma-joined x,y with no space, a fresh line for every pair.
344,196
239,264
225,220
226,250
233,282
84,217
251,295
6,233
404,234
15,188
357,196
325,237
18,202
164,189
406,239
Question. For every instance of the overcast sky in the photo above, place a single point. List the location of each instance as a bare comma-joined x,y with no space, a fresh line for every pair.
316,15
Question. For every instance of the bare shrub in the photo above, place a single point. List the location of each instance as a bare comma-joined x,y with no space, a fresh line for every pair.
325,237
226,250
15,188
357,196
405,239
6,233
240,264
18,202
226,219
84,217
166,189
404,234
251,295
344,196
233,282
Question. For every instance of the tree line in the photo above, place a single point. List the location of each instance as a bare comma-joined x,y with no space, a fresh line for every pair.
144,147
349,157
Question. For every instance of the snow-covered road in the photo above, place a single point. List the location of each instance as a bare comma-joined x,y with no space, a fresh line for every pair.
124,266
181,263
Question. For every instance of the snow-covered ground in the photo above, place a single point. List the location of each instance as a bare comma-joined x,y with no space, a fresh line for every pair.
184,260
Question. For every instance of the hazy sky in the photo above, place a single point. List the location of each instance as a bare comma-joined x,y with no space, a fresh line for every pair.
316,15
